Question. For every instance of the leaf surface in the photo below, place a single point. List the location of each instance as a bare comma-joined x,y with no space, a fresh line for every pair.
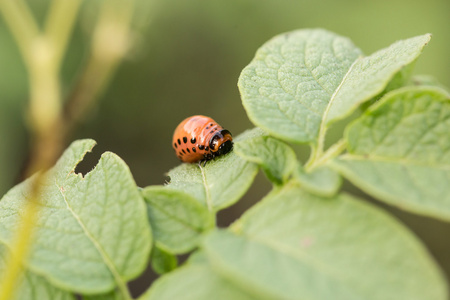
370,75
32,286
399,151
276,158
288,85
322,181
194,282
162,261
92,232
177,219
294,245
301,81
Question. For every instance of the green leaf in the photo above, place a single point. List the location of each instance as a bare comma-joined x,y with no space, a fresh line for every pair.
370,75
425,80
32,286
221,182
162,261
194,282
399,151
92,232
177,219
276,158
301,81
114,295
288,85
400,79
294,245
321,181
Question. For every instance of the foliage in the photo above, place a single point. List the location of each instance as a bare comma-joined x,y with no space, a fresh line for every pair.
305,239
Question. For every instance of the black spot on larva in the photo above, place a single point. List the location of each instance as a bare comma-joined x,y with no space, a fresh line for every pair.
180,153
175,145
207,127
193,149
183,151
211,131
201,147
193,140
185,139
211,124
187,149
179,142
206,148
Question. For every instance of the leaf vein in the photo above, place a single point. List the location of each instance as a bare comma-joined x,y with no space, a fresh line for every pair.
107,260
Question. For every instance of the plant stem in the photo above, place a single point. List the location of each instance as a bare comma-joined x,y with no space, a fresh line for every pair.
45,98
43,53
22,25
38,52
59,24
20,246
317,149
320,159
111,41
331,153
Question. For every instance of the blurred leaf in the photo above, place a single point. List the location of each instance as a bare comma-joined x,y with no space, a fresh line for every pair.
321,181
176,218
194,282
399,151
162,261
425,80
288,85
400,79
276,158
114,295
293,245
92,233
32,286
221,182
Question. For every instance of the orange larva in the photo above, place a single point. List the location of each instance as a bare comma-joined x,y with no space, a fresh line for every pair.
200,138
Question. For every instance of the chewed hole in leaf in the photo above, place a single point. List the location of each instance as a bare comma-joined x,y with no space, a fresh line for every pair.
89,162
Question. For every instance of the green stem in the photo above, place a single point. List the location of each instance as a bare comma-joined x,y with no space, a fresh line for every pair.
38,54
19,249
111,41
22,25
45,96
312,156
317,149
43,53
59,25
331,153
317,152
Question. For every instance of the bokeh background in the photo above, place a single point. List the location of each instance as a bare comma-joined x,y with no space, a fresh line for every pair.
187,61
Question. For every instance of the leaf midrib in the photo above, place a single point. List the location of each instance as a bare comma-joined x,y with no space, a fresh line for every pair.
324,121
208,199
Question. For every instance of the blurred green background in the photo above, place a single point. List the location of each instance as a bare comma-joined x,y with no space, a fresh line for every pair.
188,61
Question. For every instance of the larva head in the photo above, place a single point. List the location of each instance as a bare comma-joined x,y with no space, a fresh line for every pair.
221,142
